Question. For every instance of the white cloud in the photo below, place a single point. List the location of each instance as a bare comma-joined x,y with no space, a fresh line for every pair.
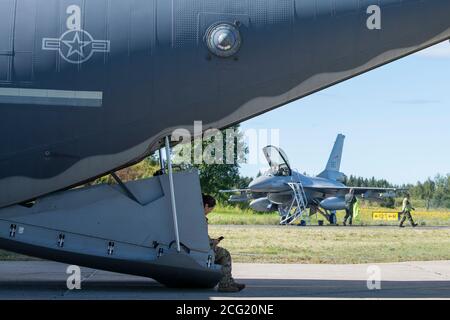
441,50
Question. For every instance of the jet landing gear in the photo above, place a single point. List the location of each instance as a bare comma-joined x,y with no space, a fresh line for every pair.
297,209
331,218
287,219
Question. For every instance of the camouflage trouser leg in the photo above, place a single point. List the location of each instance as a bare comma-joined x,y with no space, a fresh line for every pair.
407,215
348,216
223,258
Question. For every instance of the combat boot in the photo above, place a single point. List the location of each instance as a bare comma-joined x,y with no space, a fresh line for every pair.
228,288
241,286
415,225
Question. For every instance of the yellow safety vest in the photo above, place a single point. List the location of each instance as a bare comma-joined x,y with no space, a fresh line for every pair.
356,209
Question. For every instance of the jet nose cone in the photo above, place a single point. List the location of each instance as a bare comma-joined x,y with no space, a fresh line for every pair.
268,184
261,184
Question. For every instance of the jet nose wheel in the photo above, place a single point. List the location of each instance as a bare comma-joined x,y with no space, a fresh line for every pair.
286,220
287,216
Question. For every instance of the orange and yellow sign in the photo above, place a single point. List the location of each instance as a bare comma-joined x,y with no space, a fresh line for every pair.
386,216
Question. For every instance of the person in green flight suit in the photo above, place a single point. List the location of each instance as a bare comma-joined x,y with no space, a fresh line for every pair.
406,212
350,200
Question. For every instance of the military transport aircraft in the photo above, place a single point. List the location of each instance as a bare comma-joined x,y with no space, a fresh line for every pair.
291,193
90,87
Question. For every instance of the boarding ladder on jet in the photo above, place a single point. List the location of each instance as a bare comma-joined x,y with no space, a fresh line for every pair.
299,204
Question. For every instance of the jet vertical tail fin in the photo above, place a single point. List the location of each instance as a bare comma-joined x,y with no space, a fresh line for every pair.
334,162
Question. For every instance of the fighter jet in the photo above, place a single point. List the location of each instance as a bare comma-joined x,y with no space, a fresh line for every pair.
90,87
291,193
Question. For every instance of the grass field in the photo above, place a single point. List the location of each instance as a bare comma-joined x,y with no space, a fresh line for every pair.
6,255
235,216
362,243
291,244
328,244
265,241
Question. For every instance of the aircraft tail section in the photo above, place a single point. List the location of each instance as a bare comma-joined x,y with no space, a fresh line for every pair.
334,162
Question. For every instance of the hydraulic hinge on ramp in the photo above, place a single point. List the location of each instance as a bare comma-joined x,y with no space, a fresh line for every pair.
101,227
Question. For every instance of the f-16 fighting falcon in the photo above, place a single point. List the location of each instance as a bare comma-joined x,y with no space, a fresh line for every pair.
291,193
90,87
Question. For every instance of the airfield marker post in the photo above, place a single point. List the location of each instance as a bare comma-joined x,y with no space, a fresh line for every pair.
172,194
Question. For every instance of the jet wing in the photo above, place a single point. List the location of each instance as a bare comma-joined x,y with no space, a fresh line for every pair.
234,190
242,196
366,192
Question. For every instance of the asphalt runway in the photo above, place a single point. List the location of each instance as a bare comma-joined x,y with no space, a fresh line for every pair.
47,280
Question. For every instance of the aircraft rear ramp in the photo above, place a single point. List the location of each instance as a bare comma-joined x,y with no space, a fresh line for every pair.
102,227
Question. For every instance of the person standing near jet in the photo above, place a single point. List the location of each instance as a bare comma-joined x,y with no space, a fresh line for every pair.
222,256
406,211
350,200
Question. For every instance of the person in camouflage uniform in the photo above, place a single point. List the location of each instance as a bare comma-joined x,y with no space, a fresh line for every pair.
350,200
406,212
222,255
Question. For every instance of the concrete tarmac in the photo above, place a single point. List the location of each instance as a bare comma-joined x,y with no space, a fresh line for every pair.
47,280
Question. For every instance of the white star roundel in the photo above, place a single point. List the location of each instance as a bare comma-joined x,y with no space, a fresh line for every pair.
75,46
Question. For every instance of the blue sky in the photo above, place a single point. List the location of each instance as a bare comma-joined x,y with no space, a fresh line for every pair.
396,120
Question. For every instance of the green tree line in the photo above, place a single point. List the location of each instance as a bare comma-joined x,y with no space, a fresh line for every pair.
434,192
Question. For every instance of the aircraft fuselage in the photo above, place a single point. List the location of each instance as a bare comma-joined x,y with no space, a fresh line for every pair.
87,87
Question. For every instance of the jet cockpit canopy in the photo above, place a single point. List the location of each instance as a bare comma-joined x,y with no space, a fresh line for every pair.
278,161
